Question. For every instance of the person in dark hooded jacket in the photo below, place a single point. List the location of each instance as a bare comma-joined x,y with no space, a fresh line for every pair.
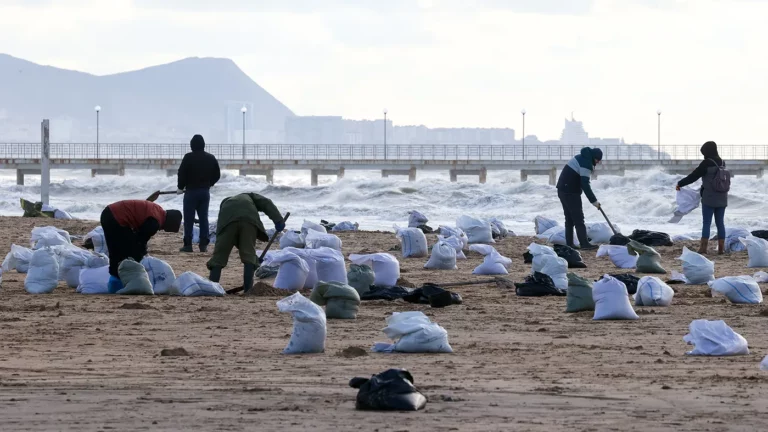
198,172
574,179
713,203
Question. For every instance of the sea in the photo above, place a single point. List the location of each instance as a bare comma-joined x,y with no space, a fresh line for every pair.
639,200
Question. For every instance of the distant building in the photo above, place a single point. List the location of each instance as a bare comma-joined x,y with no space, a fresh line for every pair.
574,134
314,130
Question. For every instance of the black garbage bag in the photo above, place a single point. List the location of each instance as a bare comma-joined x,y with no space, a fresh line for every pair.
619,240
434,296
571,255
763,234
538,285
327,225
651,238
426,229
528,257
629,280
381,292
267,271
391,390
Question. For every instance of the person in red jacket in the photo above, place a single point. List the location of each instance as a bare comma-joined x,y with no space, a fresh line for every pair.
128,225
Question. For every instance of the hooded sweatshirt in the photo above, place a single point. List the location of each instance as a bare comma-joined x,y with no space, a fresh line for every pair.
706,171
199,169
577,172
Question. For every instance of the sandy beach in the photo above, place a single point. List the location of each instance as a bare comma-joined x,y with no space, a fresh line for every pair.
74,362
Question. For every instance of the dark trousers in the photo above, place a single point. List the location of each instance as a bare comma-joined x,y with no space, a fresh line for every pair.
719,213
196,201
121,241
574,217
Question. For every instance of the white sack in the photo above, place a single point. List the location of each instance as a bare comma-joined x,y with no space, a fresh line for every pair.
498,227
71,261
757,249
61,214
733,238
43,274
443,257
413,332
134,277
457,244
651,291
612,300
600,233
330,265
309,330
94,280
316,240
493,264
49,236
413,242
308,226
715,338
687,201
697,269
478,231
446,232
415,219
556,236
543,224
293,270
620,256
291,239
190,284
160,274
738,289
346,226
306,255
99,242
557,269
17,259
385,267
761,277
539,252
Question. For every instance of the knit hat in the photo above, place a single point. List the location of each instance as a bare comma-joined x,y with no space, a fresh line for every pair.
597,154
172,221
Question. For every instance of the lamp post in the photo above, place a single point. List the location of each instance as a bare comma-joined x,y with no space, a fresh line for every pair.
98,110
385,134
658,130
523,113
244,110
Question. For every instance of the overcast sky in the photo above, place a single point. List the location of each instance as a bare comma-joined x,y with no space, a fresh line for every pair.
473,63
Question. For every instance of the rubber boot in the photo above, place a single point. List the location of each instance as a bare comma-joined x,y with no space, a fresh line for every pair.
720,246
581,234
248,271
704,245
204,245
186,248
215,275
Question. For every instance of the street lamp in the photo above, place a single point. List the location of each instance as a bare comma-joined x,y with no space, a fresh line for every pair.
523,113
658,130
244,110
385,134
98,109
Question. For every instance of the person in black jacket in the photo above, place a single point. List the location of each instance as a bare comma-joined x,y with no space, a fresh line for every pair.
713,203
574,179
198,172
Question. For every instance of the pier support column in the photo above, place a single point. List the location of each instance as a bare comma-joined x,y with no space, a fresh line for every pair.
20,177
340,175
483,175
523,175
171,173
384,174
454,176
313,177
553,177
412,174
271,176
760,174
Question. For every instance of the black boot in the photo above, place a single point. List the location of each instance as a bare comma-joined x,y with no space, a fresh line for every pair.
581,233
215,274
204,245
248,272
187,246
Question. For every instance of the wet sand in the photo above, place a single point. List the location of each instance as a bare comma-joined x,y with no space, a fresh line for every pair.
75,362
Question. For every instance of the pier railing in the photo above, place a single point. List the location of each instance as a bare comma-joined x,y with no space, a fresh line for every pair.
372,152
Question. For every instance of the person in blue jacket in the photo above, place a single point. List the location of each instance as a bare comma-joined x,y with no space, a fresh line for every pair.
574,179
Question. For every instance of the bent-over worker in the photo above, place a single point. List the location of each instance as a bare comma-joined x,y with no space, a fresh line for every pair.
128,225
239,226
574,179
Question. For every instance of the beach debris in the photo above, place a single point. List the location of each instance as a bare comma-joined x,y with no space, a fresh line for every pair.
391,390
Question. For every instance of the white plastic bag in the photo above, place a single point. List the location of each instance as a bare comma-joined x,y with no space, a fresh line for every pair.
413,332
413,242
415,219
457,244
71,261
478,231
443,257
764,364
17,259
385,267
308,226
600,233
97,238
620,256
160,274
539,252
293,271
733,238
309,330
757,249
738,289
446,232
556,236
346,226
543,224
292,239
49,236
612,300
761,277
306,255
330,265
94,280
498,227
715,338
651,291
61,214
43,274
134,277
316,240
557,269
697,269
190,284
493,263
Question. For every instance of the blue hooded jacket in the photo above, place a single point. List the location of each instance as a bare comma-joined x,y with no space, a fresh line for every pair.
577,172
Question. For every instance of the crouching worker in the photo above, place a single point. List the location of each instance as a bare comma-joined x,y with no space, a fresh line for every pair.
128,225
239,226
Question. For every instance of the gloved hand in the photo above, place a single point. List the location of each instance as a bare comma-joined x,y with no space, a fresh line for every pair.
677,187
179,192
280,226
596,204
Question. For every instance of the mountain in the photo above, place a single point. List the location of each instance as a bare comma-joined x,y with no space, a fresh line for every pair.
164,103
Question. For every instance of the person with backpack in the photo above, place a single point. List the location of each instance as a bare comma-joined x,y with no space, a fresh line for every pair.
198,172
574,179
715,185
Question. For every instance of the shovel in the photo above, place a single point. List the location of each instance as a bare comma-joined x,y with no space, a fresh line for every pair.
263,254
501,282
155,195
609,222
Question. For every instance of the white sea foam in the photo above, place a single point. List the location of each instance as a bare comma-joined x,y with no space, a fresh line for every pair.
639,200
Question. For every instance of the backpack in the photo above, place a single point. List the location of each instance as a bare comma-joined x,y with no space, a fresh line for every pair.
722,180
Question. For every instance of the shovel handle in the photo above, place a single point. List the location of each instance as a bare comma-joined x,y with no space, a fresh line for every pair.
263,254
609,222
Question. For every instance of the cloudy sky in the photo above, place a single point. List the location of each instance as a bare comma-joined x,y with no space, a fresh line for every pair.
476,63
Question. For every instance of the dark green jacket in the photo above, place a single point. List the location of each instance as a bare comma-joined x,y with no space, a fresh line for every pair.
246,207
